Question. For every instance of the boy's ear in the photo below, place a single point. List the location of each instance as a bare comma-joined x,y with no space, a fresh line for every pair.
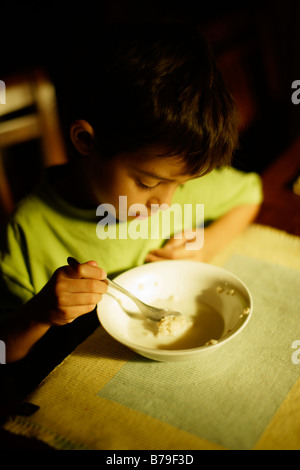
83,136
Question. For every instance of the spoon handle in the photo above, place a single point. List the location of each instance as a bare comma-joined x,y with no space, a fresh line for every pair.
143,307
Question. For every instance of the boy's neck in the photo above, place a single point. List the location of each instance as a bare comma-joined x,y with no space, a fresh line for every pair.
69,181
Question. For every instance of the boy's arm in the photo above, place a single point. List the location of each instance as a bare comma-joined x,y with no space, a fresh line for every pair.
71,292
21,331
216,236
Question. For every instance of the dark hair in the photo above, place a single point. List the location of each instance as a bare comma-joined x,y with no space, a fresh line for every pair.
155,84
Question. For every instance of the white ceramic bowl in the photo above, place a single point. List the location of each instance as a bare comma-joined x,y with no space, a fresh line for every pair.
217,302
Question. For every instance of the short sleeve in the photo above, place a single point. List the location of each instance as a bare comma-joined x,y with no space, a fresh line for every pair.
15,284
232,188
222,190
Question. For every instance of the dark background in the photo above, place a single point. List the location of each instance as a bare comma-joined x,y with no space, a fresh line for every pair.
256,44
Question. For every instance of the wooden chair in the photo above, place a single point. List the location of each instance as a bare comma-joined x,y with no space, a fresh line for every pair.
28,112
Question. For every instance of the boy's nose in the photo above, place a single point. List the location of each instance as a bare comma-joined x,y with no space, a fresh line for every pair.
162,196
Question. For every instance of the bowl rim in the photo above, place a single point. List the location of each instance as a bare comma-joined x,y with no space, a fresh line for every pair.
182,352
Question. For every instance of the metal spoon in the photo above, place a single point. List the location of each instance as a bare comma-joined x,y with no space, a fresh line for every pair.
153,313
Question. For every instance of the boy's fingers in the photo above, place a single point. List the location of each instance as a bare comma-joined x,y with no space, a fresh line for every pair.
85,271
88,270
176,248
166,253
86,285
171,252
150,258
174,243
80,299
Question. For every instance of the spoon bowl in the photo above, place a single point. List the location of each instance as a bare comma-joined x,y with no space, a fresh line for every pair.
153,313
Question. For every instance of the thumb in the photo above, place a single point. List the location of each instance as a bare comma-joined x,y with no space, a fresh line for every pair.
181,238
73,262
174,242
92,263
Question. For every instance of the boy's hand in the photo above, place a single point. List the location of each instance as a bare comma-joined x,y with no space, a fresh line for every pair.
217,236
72,291
177,248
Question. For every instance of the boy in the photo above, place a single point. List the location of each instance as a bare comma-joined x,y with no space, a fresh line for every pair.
147,117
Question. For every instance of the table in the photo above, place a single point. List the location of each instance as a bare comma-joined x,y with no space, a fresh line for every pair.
88,402
103,396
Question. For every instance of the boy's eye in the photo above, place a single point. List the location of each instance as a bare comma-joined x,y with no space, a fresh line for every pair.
144,186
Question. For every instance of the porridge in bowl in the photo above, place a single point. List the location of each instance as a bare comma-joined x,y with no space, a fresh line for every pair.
198,325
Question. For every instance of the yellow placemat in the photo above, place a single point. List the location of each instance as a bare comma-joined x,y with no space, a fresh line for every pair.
105,397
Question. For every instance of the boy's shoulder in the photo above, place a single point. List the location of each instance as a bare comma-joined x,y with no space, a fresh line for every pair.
28,208
224,187
219,176
45,204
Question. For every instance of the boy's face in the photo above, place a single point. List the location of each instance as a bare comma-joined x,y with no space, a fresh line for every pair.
143,177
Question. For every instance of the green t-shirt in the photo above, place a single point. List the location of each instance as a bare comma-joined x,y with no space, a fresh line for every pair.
45,230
